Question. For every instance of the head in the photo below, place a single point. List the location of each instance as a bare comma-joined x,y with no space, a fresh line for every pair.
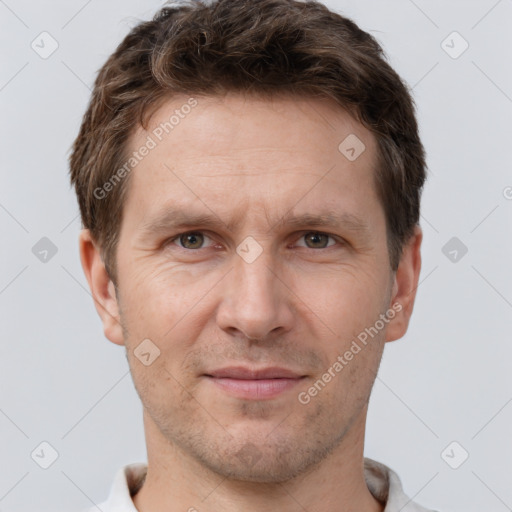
281,129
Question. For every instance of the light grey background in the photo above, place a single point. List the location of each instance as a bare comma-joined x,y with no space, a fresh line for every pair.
447,380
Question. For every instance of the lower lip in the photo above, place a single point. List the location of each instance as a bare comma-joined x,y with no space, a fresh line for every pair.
257,389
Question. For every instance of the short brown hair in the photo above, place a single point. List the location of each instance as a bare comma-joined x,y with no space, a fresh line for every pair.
263,47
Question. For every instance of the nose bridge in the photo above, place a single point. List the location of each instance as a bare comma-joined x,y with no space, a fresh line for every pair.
252,274
253,301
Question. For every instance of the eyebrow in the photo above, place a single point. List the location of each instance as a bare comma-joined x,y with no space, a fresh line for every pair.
181,219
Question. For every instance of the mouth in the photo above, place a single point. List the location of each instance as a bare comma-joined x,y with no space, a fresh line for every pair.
252,384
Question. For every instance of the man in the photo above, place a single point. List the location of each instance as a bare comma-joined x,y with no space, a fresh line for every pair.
249,178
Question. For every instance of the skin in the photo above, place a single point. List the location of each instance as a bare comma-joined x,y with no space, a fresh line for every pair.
250,161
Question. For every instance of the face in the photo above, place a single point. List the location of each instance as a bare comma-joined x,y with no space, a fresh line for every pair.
253,260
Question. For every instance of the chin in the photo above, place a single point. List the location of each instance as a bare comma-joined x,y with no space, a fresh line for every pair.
260,462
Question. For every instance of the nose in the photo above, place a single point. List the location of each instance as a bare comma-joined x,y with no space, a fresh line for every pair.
256,302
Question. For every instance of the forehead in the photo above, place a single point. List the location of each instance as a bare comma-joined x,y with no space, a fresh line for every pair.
218,124
257,151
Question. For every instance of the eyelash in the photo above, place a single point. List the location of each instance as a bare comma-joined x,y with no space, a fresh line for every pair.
339,240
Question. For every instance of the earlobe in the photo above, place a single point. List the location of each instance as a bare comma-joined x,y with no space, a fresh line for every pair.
102,288
404,286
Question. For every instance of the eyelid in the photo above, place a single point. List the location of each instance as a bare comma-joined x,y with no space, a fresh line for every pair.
339,240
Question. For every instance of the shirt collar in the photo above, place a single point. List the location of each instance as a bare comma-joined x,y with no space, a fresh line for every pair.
385,485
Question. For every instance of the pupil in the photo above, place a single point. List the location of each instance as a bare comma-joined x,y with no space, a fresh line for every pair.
192,238
315,237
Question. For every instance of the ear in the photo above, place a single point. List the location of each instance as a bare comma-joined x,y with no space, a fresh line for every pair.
102,288
404,287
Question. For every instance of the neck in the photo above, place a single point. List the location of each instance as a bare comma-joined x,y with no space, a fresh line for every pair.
177,482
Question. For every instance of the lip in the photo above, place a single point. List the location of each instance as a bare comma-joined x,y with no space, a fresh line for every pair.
241,372
254,384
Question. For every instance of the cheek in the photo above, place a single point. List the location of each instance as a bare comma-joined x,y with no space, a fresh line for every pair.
161,390
347,299
159,298
347,380
172,320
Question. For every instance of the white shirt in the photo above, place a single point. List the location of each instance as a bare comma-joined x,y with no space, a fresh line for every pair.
383,483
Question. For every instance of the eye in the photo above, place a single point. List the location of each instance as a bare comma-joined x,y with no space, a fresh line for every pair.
194,240
316,240
190,240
